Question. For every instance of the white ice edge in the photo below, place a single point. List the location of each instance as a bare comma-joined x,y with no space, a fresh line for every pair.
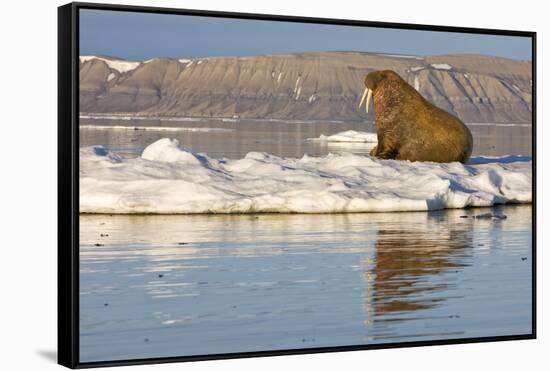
351,136
500,124
129,118
167,179
152,128
124,117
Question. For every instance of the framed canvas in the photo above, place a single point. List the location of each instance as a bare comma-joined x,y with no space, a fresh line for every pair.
240,185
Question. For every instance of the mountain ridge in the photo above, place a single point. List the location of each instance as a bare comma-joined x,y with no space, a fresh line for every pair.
311,85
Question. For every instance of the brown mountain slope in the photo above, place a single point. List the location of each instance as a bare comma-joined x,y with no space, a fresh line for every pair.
325,86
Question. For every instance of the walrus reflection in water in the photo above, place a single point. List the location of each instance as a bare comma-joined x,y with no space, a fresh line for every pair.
411,128
408,270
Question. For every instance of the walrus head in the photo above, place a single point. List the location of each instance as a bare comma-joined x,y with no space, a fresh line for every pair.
373,81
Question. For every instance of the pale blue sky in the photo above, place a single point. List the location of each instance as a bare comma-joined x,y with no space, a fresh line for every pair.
144,35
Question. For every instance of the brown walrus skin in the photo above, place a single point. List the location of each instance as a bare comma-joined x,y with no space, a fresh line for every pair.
411,128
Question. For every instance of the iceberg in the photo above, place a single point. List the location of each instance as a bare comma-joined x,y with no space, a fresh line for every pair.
169,179
351,136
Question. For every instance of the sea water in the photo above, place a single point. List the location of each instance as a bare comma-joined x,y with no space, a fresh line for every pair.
176,285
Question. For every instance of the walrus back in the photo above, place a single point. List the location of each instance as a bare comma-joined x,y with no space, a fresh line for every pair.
438,135
453,134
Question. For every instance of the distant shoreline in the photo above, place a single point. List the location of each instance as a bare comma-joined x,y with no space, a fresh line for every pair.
313,86
128,117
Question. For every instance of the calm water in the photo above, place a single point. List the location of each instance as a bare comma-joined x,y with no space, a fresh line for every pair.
183,285
278,138
158,286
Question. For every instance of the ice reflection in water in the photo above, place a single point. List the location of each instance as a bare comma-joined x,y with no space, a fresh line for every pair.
155,286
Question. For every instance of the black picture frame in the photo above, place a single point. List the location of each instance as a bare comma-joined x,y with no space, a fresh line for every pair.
68,182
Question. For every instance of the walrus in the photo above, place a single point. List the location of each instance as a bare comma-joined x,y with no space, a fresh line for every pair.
411,128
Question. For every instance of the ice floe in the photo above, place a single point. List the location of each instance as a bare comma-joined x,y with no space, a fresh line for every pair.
168,179
500,124
348,136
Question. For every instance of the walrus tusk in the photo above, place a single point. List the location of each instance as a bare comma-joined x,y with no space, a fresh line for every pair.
363,97
368,101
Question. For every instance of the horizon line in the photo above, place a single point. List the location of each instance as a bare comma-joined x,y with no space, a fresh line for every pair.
387,54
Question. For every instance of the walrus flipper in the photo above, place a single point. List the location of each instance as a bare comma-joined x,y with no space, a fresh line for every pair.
373,151
388,154
386,148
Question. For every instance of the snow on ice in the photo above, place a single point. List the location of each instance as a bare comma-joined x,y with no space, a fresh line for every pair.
168,179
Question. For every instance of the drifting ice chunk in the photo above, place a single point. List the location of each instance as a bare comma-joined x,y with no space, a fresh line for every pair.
168,150
349,136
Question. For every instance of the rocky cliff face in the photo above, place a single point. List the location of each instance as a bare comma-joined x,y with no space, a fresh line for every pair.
324,86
